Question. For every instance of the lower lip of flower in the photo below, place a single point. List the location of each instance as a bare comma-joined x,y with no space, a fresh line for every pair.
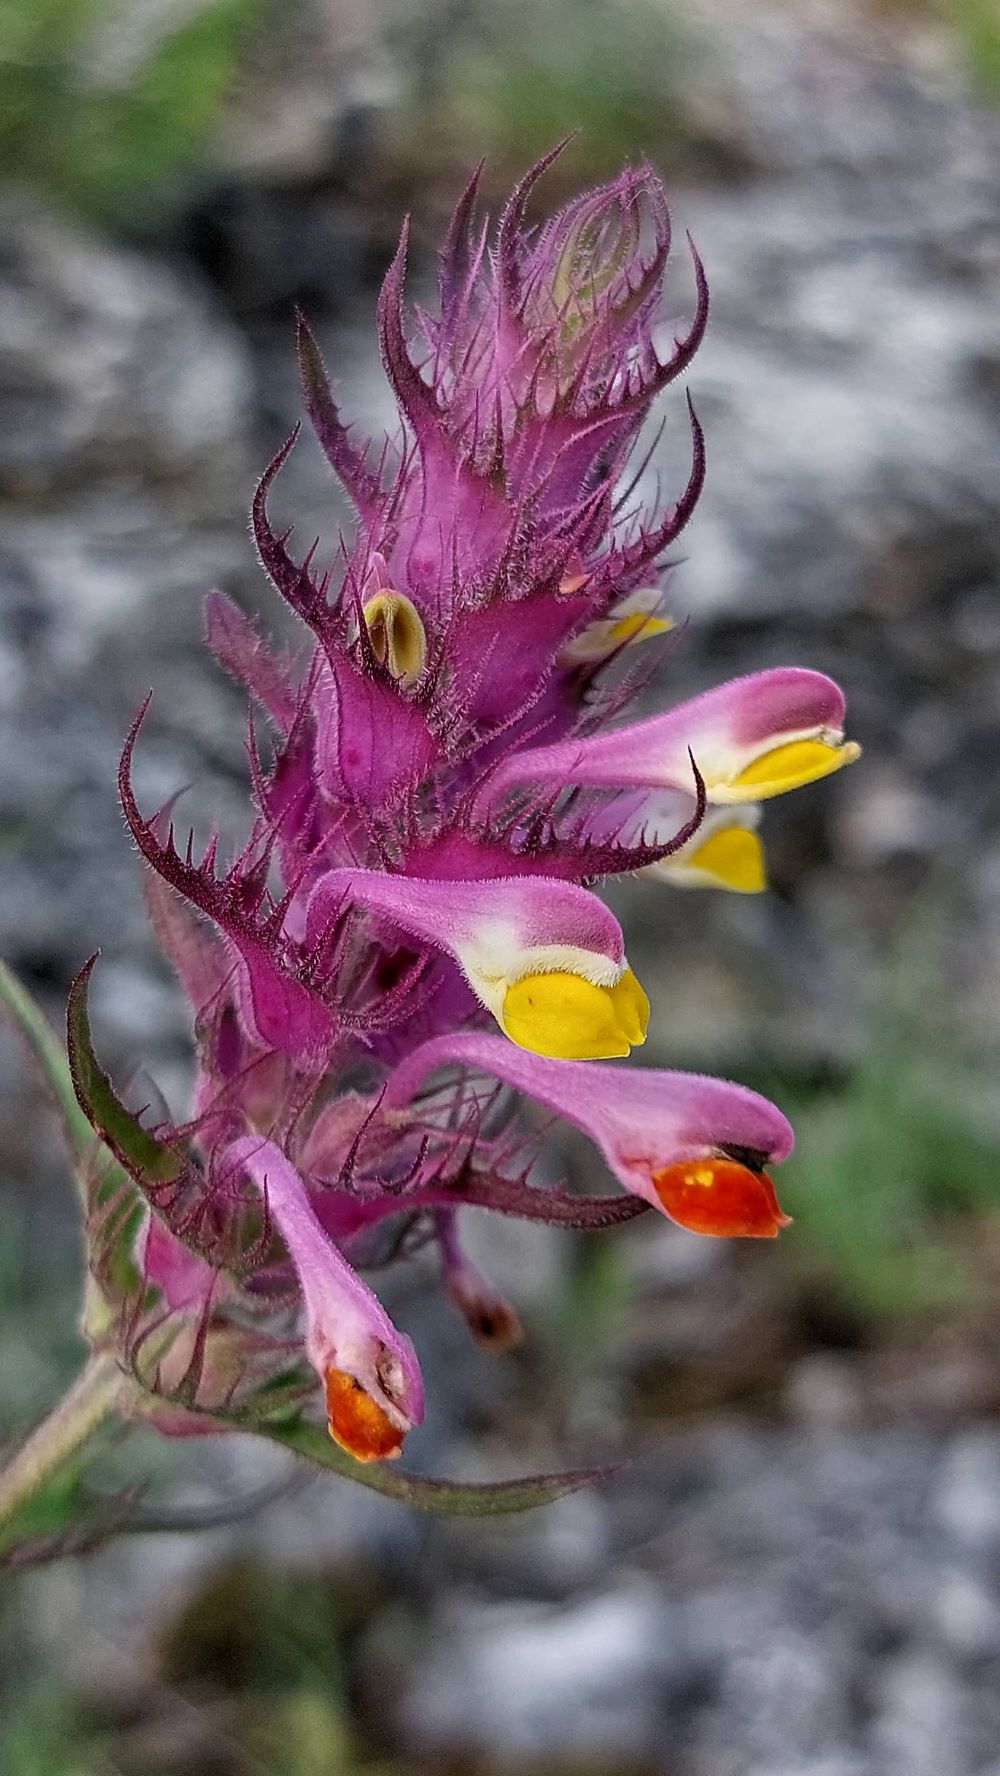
792,764
734,857
357,1422
565,1017
721,1197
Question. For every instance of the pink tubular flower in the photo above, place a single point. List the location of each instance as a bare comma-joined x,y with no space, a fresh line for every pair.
693,1147
444,776
752,738
369,1372
546,958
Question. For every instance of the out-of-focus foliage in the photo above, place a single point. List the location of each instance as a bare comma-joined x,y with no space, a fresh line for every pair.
39,1736
102,114
505,81
39,1348
260,1654
895,1163
978,25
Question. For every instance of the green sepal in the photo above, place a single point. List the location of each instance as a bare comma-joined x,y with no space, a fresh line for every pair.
148,1160
108,1197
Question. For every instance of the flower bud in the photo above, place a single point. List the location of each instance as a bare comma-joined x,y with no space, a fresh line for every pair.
396,633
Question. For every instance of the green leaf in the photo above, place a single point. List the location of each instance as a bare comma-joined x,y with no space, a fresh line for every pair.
51,1057
49,1511
442,1498
149,1160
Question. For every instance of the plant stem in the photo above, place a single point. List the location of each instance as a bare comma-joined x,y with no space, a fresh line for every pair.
49,1052
90,1400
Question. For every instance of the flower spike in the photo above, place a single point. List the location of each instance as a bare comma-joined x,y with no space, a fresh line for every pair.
436,789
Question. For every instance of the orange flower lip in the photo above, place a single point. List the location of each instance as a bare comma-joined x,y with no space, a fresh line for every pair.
722,1196
357,1422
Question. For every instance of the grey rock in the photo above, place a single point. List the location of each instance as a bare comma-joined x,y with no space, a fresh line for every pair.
966,1612
124,473
837,1764
113,365
967,1499
587,1680
924,1719
788,1693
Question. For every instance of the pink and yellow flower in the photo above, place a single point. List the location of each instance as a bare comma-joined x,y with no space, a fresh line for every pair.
418,871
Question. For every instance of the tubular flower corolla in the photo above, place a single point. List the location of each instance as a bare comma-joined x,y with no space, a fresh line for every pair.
414,891
752,738
369,1372
692,1147
543,956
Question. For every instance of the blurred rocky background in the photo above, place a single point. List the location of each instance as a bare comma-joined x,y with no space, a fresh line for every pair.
799,1575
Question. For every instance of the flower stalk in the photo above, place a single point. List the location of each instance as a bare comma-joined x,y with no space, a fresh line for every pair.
98,1392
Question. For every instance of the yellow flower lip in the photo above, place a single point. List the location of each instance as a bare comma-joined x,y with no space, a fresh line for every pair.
733,857
631,1007
637,627
789,766
396,632
565,1017
634,621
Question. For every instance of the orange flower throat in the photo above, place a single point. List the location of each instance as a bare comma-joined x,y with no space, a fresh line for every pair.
720,1196
357,1422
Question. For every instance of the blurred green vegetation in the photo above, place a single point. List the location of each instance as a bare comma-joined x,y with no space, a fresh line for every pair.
109,106
40,1347
898,1162
39,1736
508,81
249,1677
103,126
977,23
252,1676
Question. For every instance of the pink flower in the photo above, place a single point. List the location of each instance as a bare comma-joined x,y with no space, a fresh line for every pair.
369,1371
752,738
415,873
695,1148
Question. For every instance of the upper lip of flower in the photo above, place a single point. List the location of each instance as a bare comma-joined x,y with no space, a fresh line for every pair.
750,738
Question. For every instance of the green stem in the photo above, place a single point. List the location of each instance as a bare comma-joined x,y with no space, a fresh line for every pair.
50,1054
91,1399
